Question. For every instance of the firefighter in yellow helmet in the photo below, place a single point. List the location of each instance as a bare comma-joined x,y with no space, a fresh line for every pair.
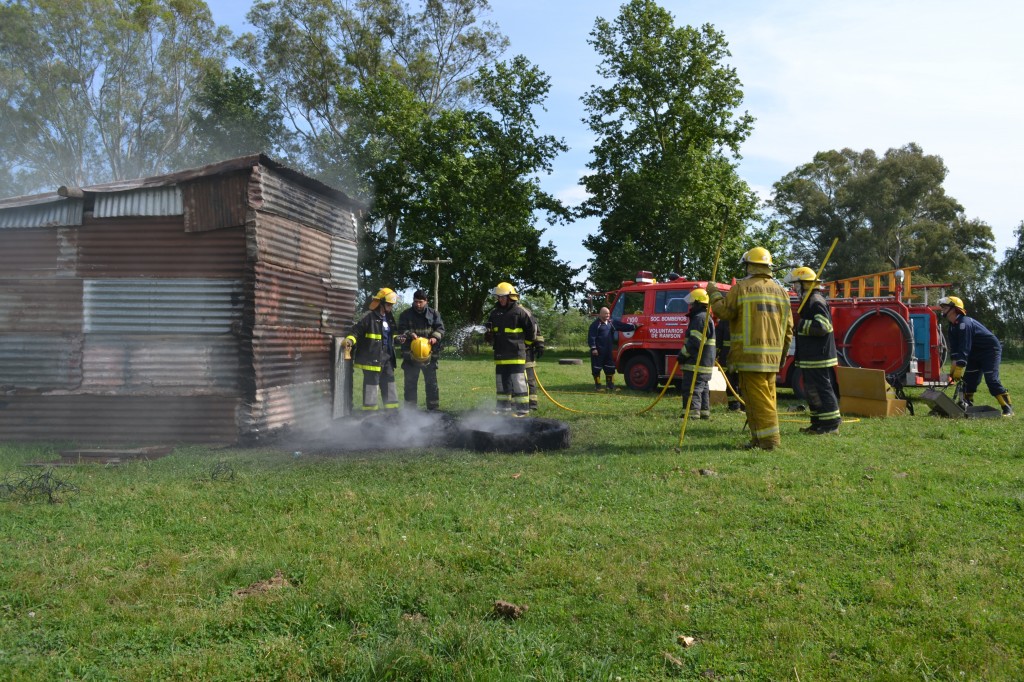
510,329
693,359
975,353
816,354
373,336
417,325
761,328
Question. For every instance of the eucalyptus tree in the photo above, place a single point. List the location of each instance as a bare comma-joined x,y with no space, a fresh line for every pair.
663,170
95,90
887,213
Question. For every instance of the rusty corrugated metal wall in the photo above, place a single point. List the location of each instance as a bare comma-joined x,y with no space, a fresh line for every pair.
191,308
298,241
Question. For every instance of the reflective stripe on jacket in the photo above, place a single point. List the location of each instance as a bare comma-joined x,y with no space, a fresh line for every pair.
512,327
367,334
760,323
694,336
815,338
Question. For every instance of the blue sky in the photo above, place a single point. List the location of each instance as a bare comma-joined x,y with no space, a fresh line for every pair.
820,75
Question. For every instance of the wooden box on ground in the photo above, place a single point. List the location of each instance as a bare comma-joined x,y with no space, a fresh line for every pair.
718,388
866,393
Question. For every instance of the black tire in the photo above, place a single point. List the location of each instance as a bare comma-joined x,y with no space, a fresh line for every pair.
505,434
640,373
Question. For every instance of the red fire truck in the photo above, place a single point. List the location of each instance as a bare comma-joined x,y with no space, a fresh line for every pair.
876,325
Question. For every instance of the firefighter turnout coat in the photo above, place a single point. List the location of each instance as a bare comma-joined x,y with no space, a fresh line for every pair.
694,337
760,323
367,334
511,329
815,340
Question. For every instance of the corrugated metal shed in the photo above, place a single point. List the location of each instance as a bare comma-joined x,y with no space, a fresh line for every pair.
194,306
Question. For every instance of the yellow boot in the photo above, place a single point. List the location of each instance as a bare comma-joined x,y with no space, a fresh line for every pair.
1004,401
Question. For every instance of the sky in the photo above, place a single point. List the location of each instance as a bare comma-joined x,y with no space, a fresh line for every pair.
816,76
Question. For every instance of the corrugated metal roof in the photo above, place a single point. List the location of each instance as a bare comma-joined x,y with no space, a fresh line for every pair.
155,201
163,306
54,212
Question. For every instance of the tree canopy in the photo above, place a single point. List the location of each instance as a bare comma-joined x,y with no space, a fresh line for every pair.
94,90
409,111
887,213
668,134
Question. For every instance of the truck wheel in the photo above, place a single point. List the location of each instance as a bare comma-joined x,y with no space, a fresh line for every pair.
640,373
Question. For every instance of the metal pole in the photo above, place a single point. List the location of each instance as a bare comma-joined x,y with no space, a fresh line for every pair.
437,277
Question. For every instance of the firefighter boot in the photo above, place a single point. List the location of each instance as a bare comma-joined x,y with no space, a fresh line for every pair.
1004,402
597,384
611,384
969,399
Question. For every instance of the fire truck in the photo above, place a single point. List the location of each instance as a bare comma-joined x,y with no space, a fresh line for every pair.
878,321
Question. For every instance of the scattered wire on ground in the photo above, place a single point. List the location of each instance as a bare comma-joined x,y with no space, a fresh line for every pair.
33,487
222,471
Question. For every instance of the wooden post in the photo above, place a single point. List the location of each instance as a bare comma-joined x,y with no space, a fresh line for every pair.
437,278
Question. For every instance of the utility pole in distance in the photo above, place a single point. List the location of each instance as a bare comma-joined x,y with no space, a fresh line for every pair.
437,263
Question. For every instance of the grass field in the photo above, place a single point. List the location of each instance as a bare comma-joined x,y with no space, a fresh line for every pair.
893,551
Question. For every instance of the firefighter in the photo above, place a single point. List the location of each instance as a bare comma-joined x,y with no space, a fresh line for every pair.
761,328
373,338
533,352
692,358
816,354
722,344
602,337
975,353
509,330
421,321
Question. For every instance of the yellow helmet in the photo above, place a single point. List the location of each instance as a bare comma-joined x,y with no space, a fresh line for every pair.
697,296
505,289
952,301
758,255
386,295
801,274
420,349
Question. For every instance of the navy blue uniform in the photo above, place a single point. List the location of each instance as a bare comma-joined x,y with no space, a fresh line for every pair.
971,344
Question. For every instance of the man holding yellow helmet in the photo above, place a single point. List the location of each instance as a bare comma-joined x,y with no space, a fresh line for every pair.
422,329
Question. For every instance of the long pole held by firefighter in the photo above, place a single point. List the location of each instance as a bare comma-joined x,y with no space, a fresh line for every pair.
704,332
807,294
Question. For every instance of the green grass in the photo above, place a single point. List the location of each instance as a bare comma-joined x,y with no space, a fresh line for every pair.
891,552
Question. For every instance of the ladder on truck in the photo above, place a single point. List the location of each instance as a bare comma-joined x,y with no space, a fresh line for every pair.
875,285
885,284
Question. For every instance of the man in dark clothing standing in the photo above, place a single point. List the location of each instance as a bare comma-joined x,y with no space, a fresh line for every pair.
975,352
602,338
373,338
421,321
816,354
509,330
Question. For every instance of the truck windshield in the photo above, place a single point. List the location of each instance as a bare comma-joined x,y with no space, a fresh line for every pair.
671,302
629,303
